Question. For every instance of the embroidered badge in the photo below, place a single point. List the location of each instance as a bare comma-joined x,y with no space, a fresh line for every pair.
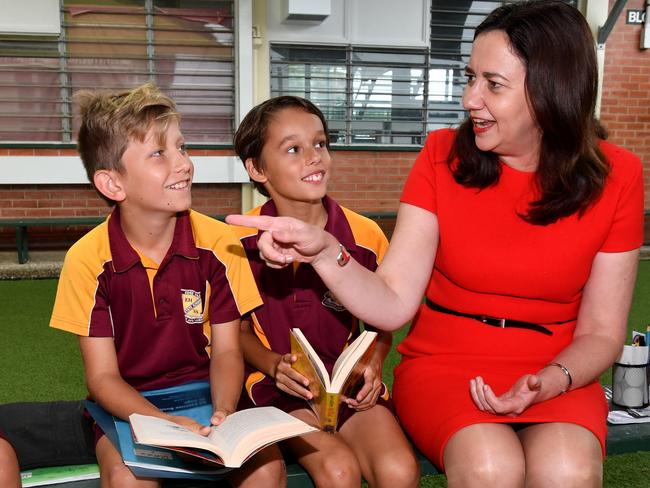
192,307
330,301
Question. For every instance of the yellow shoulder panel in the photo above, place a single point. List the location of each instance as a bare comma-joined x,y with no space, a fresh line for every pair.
242,232
77,288
219,238
367,233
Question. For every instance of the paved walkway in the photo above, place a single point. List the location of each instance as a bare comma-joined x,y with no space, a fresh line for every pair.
47,264
41,264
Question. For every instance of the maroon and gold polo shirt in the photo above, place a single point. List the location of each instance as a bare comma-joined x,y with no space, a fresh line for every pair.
297,297
158,315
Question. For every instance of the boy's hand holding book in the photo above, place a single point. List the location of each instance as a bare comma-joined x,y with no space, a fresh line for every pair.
218,417
189,423
356,365
372,387
289,380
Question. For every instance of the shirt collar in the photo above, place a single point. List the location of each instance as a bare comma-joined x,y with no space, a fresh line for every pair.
337,224
125,257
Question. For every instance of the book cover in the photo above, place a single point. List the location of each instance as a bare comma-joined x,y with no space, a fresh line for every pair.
58,474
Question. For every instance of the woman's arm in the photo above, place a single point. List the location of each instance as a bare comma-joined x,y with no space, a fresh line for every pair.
387,298
602,320
597,341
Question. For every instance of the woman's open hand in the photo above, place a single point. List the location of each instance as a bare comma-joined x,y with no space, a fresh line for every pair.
514,401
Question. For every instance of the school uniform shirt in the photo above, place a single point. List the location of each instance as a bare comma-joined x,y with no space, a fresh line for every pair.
295,296
158,315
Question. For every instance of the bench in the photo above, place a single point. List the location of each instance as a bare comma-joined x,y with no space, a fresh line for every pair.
22,225
386,221
621,439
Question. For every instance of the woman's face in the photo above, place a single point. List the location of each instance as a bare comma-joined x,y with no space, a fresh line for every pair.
495,97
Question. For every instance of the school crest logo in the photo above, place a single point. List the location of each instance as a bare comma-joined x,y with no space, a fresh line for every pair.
330,301
192,306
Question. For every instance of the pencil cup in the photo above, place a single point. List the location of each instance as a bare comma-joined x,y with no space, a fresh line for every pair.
630,378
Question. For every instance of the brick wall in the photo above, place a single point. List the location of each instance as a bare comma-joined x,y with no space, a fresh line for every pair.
625,105
371,181
82,200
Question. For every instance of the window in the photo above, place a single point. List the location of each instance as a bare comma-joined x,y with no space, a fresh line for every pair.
185,46
367,95
387,96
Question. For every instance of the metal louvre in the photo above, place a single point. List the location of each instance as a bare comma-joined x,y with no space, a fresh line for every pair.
367,95
185,46
383,95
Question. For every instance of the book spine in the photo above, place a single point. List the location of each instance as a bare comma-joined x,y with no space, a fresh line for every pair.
329,414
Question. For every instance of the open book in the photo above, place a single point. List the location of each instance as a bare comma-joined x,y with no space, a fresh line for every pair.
192,400
231,443
346,374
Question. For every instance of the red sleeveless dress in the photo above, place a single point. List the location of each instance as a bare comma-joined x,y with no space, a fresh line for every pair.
490,261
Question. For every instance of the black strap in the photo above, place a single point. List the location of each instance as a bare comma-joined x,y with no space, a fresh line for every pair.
493,321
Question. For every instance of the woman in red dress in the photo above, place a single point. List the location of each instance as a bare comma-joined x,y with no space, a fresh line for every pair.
521,229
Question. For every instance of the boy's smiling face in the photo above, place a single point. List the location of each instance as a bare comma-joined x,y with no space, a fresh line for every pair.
295,162
156,178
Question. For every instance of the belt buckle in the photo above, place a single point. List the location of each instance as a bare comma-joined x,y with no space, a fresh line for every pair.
496,321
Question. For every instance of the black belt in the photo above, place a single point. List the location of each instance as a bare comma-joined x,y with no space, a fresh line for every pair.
494,321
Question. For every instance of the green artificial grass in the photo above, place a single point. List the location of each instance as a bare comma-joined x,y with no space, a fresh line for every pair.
38,363
42,364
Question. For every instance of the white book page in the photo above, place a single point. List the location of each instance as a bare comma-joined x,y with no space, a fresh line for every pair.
348,358
161,432
247,430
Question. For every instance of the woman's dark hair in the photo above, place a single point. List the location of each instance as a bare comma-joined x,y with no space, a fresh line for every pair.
554,42
251,134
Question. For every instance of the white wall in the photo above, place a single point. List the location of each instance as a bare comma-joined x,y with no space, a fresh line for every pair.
30,17
387,23
43,170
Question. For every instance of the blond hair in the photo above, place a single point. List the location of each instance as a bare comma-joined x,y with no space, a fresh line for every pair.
109,120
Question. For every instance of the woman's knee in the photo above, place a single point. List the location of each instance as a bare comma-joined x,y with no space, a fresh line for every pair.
569,472
565,475
502,473
562,455
485,455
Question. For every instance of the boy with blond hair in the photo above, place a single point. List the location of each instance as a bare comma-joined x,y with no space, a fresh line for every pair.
155,293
